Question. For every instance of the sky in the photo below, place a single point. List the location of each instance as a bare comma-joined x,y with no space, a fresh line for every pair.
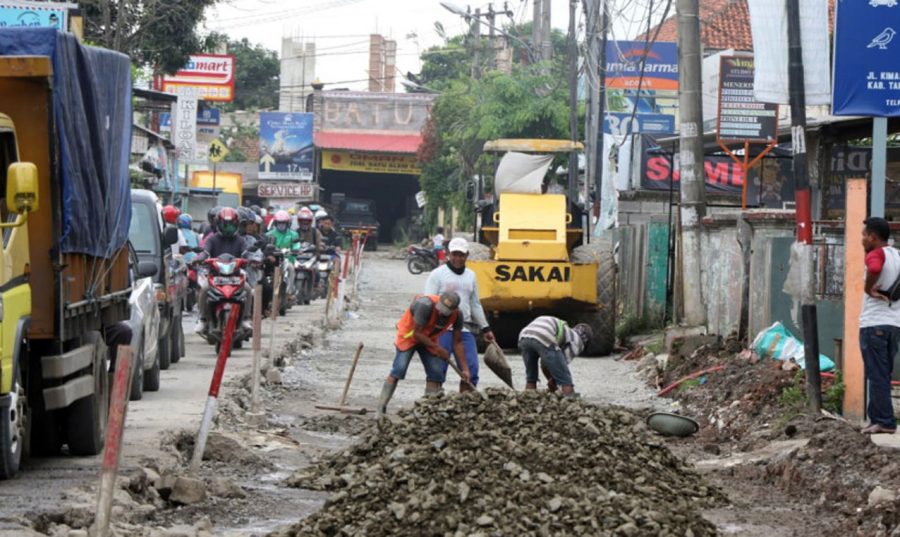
341,28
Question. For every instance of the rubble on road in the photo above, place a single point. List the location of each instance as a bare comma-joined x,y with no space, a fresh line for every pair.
518,463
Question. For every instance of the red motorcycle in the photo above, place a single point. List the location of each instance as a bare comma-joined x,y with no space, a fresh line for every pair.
227,291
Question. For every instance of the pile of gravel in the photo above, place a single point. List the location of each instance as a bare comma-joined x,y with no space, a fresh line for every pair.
516,464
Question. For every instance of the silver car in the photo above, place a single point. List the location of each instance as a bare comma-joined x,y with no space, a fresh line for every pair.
145,330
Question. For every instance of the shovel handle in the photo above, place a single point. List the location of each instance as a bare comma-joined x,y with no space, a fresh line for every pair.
458,372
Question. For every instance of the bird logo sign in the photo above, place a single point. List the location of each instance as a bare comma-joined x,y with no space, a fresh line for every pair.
888,3
883,39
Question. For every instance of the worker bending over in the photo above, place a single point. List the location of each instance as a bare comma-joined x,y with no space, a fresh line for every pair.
551,341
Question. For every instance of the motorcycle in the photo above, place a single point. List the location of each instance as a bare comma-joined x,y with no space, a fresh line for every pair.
419,259
324,268
195,273
288,277
227,290
305,272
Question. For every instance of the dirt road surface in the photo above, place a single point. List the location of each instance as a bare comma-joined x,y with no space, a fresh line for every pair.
244,478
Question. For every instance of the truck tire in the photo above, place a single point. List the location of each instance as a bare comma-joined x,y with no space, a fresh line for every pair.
176,347
13,429
164,351
137,376
151,377
603,320
87,416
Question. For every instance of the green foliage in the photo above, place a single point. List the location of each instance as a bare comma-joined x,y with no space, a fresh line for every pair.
793,398
237,136
833,398
530,102
157,33
257,71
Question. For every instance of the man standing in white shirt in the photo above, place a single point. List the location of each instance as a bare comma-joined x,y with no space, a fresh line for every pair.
454,276
879,324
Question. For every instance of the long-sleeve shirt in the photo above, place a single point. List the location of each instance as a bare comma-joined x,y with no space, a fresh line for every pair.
442,279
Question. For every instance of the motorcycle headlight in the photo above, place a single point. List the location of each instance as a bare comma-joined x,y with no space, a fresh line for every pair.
226,269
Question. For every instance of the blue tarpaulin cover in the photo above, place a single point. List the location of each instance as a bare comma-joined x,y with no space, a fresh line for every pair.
92,113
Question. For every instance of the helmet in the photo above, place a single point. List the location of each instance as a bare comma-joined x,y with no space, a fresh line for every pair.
256,209
320,214
292,210
211,214
227,222
185,221
314,207
282,216
305,214
170,214
245,215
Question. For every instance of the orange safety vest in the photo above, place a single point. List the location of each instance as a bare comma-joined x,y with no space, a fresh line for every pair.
407,325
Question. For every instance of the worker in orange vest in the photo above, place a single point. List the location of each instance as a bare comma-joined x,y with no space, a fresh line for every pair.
418,331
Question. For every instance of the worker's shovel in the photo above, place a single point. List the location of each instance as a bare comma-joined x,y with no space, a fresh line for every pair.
496,362
458,372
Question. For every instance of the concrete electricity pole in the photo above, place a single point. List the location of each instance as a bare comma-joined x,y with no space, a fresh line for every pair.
537,38
693,187
475,32
546,32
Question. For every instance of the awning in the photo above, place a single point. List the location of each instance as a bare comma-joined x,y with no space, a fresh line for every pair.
376,143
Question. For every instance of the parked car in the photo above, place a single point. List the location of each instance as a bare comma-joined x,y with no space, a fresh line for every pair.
153,241
144,323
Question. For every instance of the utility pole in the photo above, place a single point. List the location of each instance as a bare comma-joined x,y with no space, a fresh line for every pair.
537,38
546,32
475,35
693,184
491,15
803,197
600,52
573,102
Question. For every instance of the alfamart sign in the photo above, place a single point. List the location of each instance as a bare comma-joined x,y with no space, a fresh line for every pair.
211,74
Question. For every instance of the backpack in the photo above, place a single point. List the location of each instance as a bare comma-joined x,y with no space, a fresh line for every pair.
893,290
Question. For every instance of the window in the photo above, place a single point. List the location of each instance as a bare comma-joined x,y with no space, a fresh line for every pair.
143,221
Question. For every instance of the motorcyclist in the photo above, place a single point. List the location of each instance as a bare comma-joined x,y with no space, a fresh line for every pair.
225,241
282,234
330,237
209,227
307,231
187,238
292,212
170,214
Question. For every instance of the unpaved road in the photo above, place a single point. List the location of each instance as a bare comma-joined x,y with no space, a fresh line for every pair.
48,489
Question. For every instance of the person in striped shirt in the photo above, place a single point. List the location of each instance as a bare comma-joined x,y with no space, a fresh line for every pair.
549,342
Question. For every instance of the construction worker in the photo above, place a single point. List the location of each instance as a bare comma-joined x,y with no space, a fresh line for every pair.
418,331
454,276
551,342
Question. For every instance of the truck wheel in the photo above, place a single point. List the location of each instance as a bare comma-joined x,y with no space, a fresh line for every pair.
87,416
151,378
13,429
603,320
164,351
176,347
137,376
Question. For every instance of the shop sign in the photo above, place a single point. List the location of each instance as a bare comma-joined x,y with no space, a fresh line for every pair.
353,161
304,190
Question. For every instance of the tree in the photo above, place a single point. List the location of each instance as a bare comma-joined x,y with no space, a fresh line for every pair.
158,33
530,102
257,72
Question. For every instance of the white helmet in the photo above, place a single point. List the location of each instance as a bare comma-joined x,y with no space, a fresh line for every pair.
320,214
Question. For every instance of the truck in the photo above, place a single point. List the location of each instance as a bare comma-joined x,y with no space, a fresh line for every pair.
537,255
357,216
65,135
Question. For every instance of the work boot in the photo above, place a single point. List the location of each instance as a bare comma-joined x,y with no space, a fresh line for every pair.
387,391
200,326
433,391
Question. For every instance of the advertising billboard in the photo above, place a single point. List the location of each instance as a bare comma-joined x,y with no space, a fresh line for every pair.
25,14
650,66
370,162
212,74
741,117
286,146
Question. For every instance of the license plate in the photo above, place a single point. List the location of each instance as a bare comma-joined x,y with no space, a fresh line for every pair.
226,280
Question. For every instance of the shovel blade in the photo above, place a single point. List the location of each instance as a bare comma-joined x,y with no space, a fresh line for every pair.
496,362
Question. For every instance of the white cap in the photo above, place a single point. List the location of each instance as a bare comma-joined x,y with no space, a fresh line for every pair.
459,245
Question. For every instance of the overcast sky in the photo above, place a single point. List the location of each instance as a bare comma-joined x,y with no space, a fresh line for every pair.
340,28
